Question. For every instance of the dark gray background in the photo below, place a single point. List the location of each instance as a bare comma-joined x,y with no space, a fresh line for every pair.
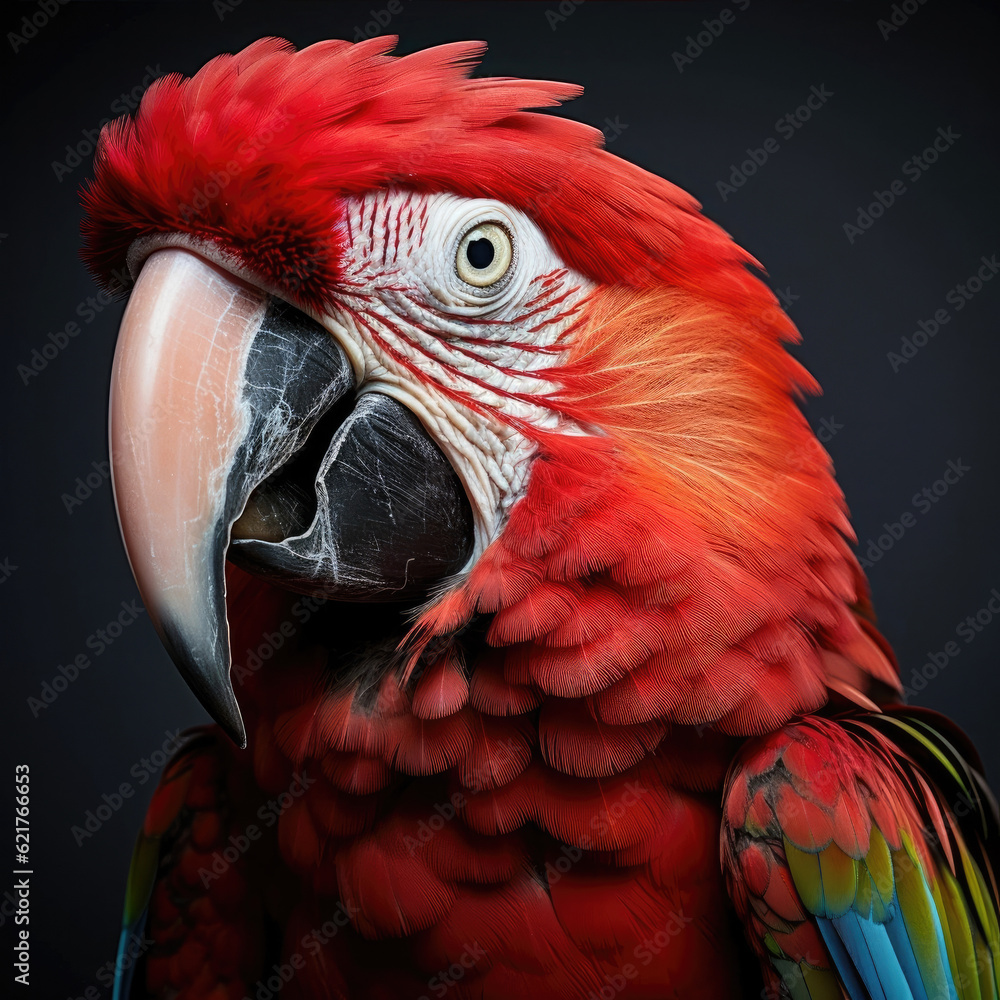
895,432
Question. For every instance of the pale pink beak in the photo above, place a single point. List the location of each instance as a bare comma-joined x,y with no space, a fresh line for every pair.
177,422
216,388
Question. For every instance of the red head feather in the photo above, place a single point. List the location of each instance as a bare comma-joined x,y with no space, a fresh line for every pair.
692,564
256,149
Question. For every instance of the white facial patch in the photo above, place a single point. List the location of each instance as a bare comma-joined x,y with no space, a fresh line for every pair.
462,355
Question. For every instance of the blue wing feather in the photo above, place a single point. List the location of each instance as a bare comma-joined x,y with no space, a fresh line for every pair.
871,953
905,910
900,938
842,961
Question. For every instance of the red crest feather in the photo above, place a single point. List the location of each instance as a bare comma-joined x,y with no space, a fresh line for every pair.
255,151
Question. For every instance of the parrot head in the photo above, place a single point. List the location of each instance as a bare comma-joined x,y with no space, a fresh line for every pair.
510,403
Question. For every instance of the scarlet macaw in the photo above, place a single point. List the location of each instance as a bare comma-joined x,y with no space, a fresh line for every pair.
460,468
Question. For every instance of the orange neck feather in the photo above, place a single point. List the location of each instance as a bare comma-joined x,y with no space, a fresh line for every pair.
691,562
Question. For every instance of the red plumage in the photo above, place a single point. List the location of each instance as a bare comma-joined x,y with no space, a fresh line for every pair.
537,805
304,128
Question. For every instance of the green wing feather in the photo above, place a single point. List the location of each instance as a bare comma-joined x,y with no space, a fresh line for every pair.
858,852
164,817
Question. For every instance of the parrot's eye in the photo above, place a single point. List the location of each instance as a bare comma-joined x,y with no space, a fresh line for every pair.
485,254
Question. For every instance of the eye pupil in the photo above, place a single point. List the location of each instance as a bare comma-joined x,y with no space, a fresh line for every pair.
484,255
480,253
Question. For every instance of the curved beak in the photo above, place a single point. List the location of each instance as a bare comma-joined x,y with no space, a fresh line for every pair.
180,421
215,389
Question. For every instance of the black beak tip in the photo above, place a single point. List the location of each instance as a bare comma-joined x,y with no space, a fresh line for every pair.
232,725
219,701
205,666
